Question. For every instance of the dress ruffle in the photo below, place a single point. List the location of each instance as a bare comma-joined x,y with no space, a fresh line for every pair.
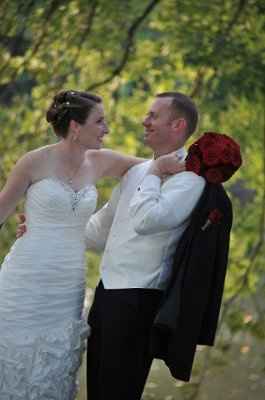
42,367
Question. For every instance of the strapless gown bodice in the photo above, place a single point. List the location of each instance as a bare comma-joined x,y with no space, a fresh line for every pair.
42,288
52,202
56,214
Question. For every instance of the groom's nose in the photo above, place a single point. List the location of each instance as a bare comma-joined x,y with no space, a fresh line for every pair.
106,129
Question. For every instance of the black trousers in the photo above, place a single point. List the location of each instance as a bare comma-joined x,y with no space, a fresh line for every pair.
118,357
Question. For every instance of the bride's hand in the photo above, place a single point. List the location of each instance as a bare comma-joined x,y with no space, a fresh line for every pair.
168,164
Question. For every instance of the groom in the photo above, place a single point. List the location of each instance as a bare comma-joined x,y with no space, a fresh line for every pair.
138,229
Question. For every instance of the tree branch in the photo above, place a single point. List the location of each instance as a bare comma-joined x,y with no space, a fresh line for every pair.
87,31
222,39
50,11
220,42
198,83
84,35
19,35
128,45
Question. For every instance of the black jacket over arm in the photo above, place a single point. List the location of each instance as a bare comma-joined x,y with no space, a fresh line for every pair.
189,312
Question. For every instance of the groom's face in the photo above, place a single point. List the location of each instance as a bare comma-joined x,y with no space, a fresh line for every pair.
159,126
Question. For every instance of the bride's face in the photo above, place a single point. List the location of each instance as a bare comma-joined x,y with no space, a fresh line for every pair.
91,133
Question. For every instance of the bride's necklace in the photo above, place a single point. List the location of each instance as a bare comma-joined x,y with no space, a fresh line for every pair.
70,179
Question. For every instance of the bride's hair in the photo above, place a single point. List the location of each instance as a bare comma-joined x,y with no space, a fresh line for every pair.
70,105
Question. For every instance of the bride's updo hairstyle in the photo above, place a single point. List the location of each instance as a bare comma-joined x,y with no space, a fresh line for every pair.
70,105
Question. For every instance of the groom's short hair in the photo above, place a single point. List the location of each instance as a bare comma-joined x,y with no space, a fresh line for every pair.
183,106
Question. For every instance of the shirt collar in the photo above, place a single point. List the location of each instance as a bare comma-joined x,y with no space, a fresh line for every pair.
182,153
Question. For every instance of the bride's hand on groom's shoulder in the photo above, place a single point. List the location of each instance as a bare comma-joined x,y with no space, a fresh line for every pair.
22,227
168,164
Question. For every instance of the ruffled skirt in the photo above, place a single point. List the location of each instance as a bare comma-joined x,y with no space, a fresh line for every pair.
43,366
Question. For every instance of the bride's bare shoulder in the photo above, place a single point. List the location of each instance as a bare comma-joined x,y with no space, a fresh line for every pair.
42,151
36,161
40,154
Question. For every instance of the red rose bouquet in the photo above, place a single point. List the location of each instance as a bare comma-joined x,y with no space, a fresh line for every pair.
214,156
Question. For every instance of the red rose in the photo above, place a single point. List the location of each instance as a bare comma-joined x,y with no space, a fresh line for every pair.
232,142
214,175
205,142
226,154
194,149
214,156
210,155
215,216
193,163
236,158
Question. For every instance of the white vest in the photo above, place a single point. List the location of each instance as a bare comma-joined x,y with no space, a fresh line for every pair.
141,225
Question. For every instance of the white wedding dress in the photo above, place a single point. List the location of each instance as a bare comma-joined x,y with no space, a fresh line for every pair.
42,287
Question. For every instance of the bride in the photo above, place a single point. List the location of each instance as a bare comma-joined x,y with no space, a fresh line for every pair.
42,279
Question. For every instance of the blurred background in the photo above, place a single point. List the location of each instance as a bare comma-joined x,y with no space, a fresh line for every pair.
127,51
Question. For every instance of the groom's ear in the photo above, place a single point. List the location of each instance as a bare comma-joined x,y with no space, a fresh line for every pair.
179,124
179,128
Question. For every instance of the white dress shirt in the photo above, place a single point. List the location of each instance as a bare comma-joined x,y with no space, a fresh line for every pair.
139,227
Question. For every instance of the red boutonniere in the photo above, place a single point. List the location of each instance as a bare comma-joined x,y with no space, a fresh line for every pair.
213,218
214,156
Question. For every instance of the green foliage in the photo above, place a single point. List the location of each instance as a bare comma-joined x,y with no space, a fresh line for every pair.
128,51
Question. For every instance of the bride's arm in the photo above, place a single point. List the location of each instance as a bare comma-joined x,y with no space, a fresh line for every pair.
114,164
17,183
